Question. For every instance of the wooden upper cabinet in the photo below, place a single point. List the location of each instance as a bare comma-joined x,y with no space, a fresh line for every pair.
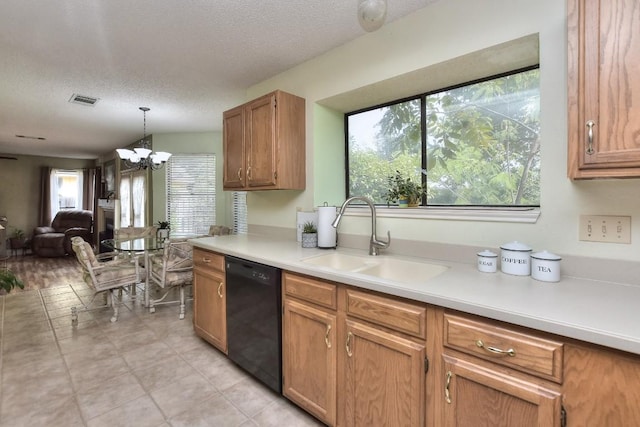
233,143
264,144
604,88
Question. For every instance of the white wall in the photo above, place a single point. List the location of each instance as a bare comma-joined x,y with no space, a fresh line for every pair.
437,33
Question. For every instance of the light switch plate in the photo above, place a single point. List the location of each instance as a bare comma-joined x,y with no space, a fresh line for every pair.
605,228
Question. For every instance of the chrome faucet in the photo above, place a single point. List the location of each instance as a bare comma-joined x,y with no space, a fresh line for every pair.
374,244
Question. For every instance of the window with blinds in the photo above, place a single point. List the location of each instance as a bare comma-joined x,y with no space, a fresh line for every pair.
191,193
239,212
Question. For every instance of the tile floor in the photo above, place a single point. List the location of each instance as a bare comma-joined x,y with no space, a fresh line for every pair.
144,370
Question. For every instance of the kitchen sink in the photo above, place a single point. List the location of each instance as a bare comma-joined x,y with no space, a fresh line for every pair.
383,267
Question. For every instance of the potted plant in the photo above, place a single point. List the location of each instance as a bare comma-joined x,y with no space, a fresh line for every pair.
163,230
309,235
17,239
404,191
8,281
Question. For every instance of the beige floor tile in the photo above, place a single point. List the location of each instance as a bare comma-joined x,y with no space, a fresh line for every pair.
91,374
138,338
216,411
67,330
91,354
35,353
223,374
20,396
183,394
81,342
61,411
283,413
33,371
109,395
148,355
141,412
15,342
250,396
163,373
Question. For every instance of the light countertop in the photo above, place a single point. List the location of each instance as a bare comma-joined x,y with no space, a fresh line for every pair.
594,311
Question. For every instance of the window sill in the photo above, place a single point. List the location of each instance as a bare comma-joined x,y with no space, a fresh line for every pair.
517,215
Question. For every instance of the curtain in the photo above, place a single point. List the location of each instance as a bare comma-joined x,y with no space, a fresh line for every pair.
44,216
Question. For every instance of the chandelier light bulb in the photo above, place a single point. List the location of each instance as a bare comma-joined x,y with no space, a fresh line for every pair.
371,14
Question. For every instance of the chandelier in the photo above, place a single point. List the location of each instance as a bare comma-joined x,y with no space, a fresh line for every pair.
142,157
371,14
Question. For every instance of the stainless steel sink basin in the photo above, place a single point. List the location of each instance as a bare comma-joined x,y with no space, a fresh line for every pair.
383,267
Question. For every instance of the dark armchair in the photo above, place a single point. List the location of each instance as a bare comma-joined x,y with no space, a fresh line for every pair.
55,240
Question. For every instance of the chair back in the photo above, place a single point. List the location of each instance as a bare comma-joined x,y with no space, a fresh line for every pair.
134,232
86,258
176,265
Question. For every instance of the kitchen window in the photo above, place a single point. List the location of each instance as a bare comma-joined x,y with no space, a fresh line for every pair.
472,145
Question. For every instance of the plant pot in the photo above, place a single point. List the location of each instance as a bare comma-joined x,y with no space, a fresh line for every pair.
17,242
403,203
309,240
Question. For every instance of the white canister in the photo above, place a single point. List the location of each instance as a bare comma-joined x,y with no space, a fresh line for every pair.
487,261
545,266
515,259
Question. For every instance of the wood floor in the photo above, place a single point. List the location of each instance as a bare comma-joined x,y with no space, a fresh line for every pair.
41,273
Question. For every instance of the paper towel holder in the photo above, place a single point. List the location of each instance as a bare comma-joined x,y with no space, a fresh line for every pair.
327,235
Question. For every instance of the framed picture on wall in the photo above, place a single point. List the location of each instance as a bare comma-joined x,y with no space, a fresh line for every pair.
109,178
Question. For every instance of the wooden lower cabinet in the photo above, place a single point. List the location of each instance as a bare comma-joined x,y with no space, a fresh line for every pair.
210,306
309,359
384,379
601,387
480,396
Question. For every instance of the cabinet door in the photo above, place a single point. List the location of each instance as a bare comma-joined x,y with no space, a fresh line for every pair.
384,378
309,359
210,306
480,397
604,88
260,141
233,148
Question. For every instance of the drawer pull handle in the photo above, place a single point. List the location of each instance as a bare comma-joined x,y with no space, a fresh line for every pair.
348,344
240,174
326,337
447,393
590,124
511,352
206,260
220,289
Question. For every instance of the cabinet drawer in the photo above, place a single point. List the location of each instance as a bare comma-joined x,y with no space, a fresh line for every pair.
208,259
312,290
397,315
508,347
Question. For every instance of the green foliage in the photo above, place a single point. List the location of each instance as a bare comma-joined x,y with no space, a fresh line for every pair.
8,281
17,234
164,225
404,188
309,227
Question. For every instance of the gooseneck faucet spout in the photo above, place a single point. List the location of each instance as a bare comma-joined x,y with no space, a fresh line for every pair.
374,244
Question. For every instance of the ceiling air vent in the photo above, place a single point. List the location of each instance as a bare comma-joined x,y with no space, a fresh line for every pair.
83,100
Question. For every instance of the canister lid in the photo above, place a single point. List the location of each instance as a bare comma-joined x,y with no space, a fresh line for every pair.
516,246
545,255
487,254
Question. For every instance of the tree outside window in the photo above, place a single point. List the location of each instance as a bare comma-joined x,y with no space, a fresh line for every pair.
472,145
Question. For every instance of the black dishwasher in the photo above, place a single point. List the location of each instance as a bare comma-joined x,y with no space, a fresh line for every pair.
254,319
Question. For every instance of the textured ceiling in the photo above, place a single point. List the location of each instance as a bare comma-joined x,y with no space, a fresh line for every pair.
188,60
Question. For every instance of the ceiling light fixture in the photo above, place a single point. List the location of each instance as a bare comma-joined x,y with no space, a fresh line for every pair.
142,157
371,14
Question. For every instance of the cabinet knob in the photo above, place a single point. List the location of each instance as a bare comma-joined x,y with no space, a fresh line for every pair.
590,125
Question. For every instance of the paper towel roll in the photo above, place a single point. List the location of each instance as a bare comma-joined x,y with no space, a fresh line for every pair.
326,233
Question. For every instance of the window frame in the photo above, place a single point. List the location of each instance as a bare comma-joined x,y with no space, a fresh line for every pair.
502,213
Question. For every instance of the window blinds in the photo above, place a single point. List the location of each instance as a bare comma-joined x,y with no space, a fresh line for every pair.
239,211
191,193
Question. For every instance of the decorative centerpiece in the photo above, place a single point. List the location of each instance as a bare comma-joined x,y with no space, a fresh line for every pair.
404,191
309,235
163,230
